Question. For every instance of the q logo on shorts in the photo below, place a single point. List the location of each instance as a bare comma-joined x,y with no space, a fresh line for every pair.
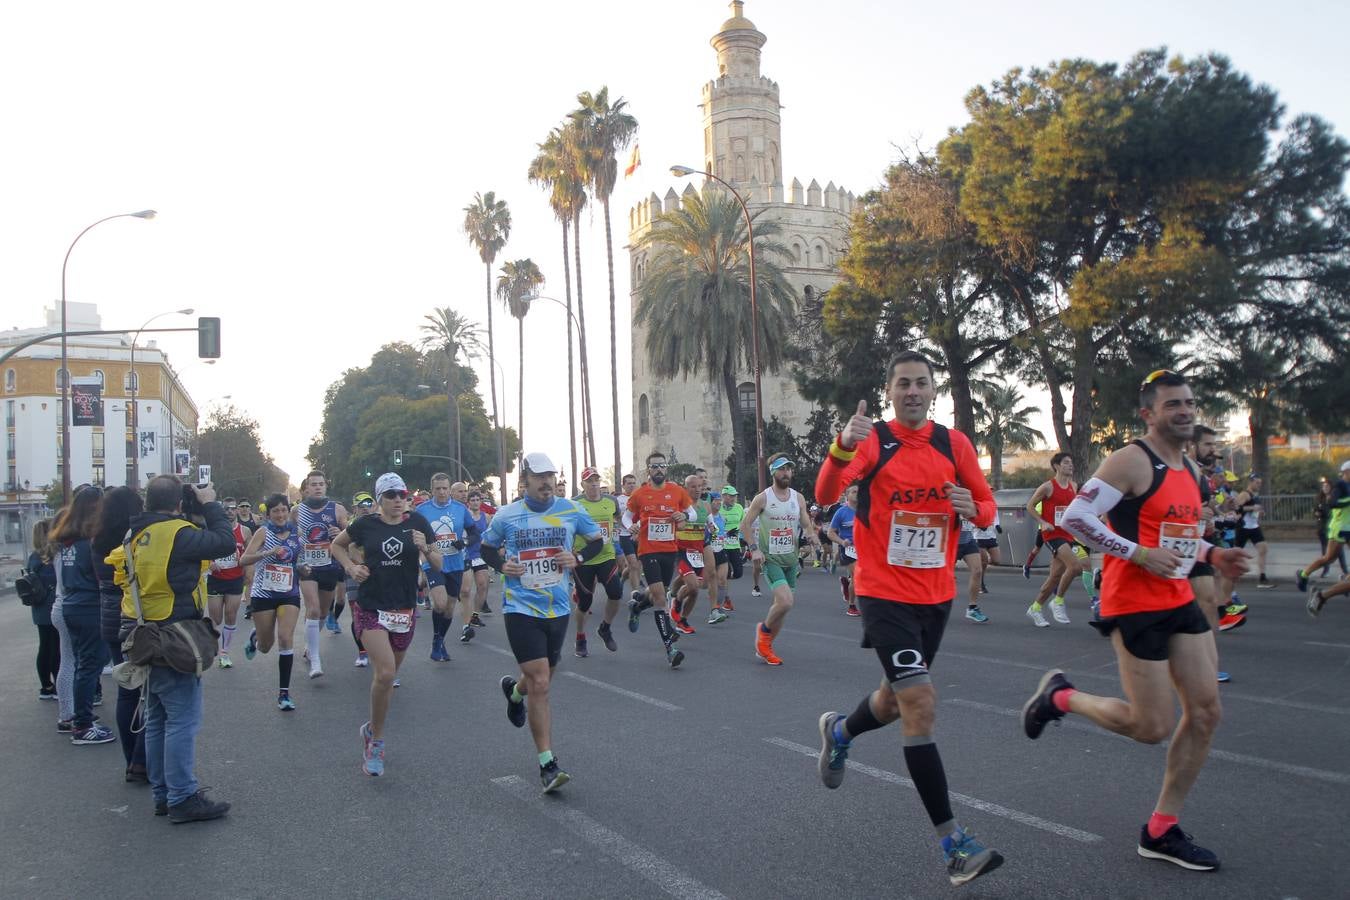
910,662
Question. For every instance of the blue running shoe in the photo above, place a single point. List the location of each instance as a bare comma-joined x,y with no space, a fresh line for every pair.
976,615
366,738
635,611
833,752
251,646
284,701
1176,846
331,624
967,858
374,764
1224,678
1301,581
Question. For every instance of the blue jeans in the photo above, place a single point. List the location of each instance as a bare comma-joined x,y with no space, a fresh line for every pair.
91,652
173,716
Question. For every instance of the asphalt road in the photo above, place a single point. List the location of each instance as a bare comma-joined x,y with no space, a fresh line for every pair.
699,782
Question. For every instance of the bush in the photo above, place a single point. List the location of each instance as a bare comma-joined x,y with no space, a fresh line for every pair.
1296,472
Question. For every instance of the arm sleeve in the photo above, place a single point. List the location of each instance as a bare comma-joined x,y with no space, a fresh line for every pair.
836,474
1082,519
493,556
971,477
593,548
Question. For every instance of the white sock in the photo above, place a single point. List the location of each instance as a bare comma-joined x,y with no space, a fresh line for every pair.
312,640
226,635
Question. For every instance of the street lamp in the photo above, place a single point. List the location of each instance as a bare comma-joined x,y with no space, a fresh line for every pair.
585,386
135,407
681,172
65,362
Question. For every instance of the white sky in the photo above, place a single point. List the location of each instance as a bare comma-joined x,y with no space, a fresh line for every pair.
310,161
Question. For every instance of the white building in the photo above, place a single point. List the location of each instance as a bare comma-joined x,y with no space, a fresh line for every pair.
743,144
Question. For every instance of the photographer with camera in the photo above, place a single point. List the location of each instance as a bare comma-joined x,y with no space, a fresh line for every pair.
162,611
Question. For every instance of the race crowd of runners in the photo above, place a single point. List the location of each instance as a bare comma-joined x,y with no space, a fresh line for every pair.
904,501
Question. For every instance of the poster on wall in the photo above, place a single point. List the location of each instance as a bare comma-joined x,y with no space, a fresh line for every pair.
147,444
180,462
86,401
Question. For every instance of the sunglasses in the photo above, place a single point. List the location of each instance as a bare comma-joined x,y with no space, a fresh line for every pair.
1155,375
656,465
394,495
232,508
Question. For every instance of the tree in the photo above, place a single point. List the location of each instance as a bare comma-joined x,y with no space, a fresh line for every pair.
515,285
605,130
398,423
576,158
230,445
1003,423
552,170
457,339
487,222
699,278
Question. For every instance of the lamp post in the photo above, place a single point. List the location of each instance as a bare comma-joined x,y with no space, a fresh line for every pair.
680,172
135,407
585,400
65,362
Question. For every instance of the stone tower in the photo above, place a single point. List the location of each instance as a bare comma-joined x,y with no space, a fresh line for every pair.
688,420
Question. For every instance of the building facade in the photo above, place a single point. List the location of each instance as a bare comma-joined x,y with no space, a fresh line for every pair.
742,143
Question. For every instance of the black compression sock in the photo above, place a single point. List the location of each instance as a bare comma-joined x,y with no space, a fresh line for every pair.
930,779
663,626
862,720
285,660
440,624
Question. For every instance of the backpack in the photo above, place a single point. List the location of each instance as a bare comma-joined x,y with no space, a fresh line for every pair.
32,590
940,440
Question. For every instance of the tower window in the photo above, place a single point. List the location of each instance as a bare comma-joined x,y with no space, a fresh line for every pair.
644,416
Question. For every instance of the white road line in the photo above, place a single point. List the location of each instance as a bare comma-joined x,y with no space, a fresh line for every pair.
632,695
1244,759
994,809
1325,644
641,862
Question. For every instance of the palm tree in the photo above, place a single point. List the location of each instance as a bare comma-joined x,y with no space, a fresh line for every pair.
517,281
487,222
552,169
452,334
695,301
577,158
606,129
1004,424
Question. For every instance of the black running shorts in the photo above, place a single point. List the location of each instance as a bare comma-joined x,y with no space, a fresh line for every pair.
217,587
532,637
659,568
1146,634
587,577
327,577
1247,536
905,636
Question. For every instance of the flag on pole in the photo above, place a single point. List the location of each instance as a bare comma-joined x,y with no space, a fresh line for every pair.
633,162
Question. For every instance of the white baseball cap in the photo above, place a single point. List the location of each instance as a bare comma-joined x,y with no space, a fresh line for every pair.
389,481
1345,466
539,464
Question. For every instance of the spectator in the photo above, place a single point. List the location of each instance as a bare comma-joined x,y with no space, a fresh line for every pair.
170,554
120,504
80,609
49,641
1322,510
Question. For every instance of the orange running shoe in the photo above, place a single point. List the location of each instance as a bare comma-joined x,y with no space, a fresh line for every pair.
764,646
726,604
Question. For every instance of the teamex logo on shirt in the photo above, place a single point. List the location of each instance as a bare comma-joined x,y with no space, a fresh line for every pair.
915,495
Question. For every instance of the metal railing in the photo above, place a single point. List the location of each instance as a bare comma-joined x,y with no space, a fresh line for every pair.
1288,507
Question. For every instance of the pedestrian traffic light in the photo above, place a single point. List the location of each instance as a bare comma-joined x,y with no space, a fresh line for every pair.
398,458
208,337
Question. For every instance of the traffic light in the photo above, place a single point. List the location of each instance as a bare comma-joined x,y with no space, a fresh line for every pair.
398,458
208,337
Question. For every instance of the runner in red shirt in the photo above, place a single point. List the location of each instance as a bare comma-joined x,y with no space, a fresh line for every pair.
653,512
1164,646
915,478
1053,497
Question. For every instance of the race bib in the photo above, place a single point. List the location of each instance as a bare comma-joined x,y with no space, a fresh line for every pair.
660,530
717,544
694,558
1183,540
228,562
605,528
446,543
782,541
541,568
315,556
1059,515
918,540
395,621
279,579
851,551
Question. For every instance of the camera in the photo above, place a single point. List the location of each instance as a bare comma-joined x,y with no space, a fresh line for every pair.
192,507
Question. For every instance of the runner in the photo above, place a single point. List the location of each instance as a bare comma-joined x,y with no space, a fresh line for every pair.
318,520
1035,548
785,519
474,588
530,542
225,585
1318,598
449,520
1164,645
1337,533
691,536
629,567
734,545
245,517
1056,494
1249,507
654,510
968,551
600,569
914,476
363,504
1203,451
715,572
840,531
274,594
987,539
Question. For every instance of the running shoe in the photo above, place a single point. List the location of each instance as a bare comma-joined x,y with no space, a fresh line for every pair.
727,605
1037,617
816,564
515,712
374,762
756,592
853,611
107,669
635,608
1235,608
98,699
1228,623
1316,600
1060,612
1301,581
1040,709
967,858
764,646
224,661
1176,846
976,615
682,626
833,752
674,657
251,645
477,622
607,637
398,682
466,634
984,588
552,777
716,616
315,668
581,650
362,660
331,624
485,609
366,738
47,694
94,734
1224,678
1026,571
1263,585
284,701
65,726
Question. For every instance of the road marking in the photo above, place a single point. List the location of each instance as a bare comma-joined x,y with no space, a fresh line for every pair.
994,809
648,865
1227,755
632,695
1325,644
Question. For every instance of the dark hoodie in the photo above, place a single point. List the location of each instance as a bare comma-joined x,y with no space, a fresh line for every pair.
190,547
